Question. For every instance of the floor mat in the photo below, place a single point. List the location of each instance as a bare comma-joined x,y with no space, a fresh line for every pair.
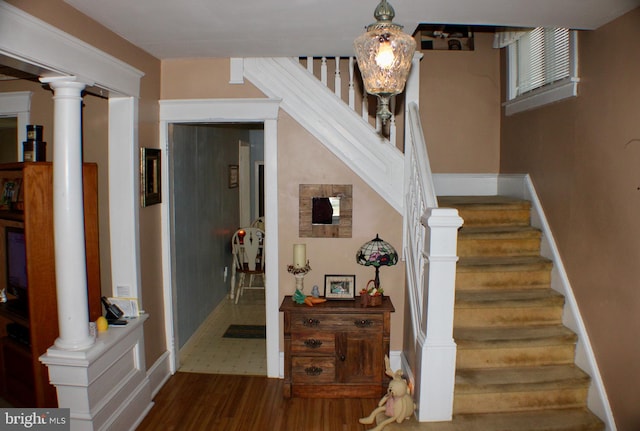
246,331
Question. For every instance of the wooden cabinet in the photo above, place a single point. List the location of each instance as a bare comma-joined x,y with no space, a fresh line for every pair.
335,349
24,381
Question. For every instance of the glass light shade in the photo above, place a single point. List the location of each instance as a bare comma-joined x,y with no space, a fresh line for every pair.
377,253
384,54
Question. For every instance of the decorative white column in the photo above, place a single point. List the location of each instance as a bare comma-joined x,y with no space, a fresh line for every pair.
68,215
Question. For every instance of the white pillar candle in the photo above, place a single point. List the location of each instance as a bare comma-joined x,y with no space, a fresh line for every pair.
299,255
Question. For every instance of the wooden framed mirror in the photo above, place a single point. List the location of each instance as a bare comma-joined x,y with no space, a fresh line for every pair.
325,210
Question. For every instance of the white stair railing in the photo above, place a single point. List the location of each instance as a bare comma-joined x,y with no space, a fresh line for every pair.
354,88
430,247
316,108
430,232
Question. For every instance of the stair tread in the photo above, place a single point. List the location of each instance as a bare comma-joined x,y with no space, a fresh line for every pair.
508,298
492,201
503,263
513,336
493,231
573,419
502,279
518,379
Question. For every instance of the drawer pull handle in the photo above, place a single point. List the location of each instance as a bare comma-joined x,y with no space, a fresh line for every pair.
313,343
343,358
310,322
364,323
313,371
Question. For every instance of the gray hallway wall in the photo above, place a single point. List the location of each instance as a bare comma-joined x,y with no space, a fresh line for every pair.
205,215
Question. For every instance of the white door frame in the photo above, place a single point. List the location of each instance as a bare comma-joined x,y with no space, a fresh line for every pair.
256,188
244,181
227,111
17,104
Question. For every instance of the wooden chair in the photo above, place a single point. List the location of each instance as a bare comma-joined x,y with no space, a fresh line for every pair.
259,223
248,259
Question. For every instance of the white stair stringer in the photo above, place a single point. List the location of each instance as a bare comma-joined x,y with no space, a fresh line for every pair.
332,122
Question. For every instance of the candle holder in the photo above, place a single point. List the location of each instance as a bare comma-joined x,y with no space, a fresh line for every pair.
299,273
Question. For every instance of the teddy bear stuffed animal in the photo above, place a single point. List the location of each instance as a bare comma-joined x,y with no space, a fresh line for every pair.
396,404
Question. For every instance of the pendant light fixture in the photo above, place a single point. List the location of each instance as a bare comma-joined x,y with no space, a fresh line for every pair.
384,54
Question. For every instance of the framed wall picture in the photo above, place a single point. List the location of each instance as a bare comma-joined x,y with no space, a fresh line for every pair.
150,181
447,38
233,176
339,286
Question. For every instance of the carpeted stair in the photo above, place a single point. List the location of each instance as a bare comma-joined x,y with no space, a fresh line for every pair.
515,362
514,355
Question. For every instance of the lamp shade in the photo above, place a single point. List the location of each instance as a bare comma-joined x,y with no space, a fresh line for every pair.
377,253
384,54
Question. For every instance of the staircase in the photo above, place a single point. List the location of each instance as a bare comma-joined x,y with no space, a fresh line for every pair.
515,361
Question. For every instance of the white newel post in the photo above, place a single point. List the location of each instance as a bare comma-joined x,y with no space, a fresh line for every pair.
68,215
438,354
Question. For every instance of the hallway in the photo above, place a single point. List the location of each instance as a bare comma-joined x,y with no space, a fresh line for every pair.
208,352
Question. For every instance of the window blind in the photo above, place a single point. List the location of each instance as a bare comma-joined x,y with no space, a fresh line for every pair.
543,58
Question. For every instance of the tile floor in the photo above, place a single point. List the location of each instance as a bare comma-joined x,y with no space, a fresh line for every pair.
207,352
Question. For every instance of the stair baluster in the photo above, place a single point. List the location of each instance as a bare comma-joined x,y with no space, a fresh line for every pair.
338,80
310,65
352,89
350,97
323,71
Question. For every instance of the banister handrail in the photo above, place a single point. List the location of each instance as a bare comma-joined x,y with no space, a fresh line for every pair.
388,131
430,258
425,176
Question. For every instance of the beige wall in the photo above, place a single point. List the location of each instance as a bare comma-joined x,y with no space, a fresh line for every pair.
584,158
302,159
202,78
61,15
583,155
94,150
41,107
460,108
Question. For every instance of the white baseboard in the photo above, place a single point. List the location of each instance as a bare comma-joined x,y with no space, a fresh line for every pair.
521,186
159,373
598,401
465,184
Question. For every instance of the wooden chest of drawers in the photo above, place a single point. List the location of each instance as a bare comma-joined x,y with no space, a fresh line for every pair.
335,349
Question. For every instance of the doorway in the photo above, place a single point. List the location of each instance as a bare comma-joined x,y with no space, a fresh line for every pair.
211,201
8,139
234,111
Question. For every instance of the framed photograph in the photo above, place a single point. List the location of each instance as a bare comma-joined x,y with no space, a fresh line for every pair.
447,38
150,192
339,286
233,176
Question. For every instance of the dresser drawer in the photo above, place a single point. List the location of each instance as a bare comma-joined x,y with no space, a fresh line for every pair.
335,349
306,342
311,370
336,322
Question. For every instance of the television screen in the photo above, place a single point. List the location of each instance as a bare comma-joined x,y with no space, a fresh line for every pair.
16,262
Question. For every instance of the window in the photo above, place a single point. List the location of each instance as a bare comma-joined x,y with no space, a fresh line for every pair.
542,68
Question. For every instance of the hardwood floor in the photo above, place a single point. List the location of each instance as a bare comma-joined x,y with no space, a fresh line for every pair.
209,402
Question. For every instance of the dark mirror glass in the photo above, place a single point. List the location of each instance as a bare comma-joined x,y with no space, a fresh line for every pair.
325,210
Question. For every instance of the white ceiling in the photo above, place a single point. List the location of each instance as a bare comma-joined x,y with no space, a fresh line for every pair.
253,28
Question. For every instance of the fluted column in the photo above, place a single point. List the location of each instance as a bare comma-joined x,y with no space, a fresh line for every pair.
68,215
